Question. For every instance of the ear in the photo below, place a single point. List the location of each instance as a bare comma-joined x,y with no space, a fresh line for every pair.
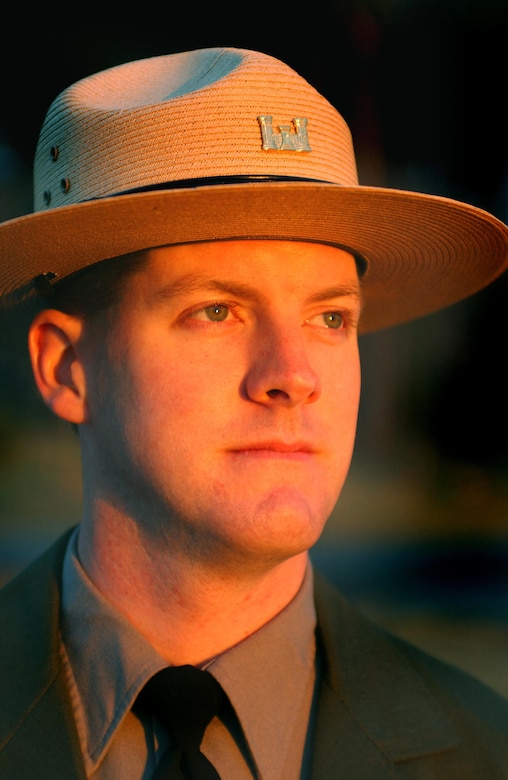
53,343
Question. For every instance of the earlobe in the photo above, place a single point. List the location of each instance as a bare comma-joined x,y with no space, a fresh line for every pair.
53,342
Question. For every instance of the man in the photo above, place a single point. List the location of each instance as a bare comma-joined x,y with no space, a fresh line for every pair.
204,260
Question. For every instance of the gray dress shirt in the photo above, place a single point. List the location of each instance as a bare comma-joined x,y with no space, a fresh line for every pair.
269,678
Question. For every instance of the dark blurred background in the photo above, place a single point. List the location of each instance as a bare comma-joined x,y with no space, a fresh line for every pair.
419,538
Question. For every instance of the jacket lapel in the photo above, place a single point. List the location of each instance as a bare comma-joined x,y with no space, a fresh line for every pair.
342,749
373,708
38,737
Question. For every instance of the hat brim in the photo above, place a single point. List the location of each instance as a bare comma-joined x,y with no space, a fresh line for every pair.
423,252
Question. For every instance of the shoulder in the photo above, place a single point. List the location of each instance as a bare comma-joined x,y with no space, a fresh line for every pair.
402,695
29,604
46,568
457,690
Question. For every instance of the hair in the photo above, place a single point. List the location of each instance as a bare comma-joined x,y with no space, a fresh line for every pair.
92,290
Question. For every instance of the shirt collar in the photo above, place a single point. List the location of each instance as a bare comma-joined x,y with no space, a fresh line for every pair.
108,659
269,678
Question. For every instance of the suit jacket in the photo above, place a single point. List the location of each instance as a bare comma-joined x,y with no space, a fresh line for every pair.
385,709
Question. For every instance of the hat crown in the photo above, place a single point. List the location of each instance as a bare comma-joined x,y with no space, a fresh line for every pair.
217,112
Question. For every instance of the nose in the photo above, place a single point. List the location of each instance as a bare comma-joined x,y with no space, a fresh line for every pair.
280,372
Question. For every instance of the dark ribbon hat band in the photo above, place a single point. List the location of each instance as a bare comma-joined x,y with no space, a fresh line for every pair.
206,181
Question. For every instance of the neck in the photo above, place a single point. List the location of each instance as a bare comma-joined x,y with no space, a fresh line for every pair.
189,610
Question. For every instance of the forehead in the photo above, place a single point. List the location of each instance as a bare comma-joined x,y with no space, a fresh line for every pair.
262,264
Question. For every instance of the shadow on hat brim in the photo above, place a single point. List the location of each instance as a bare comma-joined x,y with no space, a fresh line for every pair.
423,252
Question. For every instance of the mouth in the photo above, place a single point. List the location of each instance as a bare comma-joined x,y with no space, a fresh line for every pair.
276,449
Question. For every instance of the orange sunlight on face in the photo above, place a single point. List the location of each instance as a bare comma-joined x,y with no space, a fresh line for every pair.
223,401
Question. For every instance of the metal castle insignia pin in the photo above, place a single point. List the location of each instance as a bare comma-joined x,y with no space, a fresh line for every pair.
292,137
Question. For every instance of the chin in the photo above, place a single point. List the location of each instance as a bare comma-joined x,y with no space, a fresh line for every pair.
285,531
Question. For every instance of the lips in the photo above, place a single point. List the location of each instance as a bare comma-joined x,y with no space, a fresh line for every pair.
281,449
280,446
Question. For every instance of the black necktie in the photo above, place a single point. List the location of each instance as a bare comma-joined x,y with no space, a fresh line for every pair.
185,700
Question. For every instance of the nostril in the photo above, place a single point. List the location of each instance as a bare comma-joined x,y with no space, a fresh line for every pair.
274,393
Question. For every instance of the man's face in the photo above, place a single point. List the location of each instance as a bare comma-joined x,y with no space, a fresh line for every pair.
223,396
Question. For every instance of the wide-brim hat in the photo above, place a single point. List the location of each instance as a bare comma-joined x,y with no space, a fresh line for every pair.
226,143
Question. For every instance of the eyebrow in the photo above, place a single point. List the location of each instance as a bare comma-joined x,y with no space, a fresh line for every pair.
337,291
199,282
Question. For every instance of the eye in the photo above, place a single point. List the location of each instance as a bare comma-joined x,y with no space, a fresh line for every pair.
215,312
333,319
328,319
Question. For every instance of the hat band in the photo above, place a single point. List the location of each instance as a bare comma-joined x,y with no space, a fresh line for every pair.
210,181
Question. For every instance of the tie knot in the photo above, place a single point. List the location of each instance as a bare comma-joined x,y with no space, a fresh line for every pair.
185,700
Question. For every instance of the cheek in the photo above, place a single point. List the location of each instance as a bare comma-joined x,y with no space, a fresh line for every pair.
344,382
342,402
354,387
172,393
353,393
